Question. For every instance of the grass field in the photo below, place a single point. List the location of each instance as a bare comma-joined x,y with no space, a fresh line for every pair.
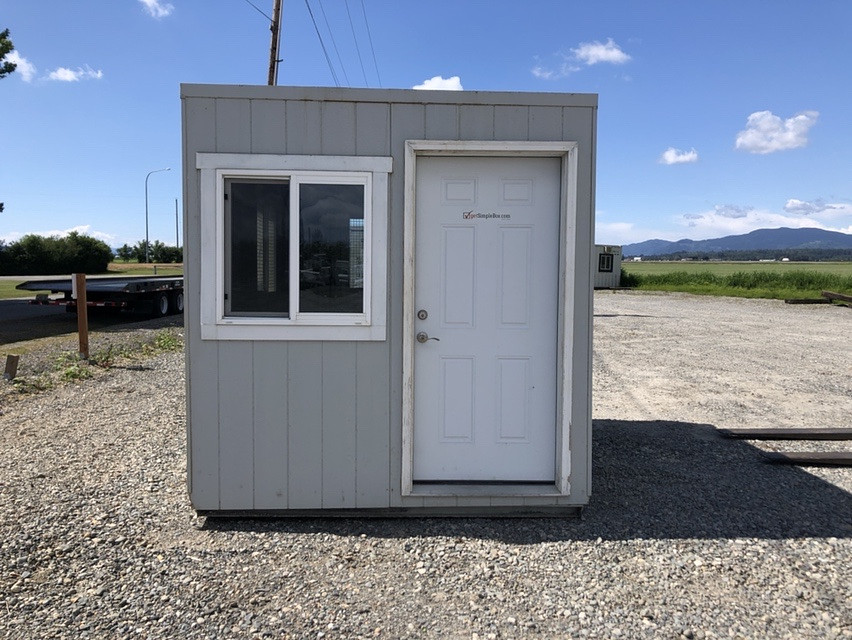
727,268
7,285
777,280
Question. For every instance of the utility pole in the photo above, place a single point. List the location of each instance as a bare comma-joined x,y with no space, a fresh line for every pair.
273,47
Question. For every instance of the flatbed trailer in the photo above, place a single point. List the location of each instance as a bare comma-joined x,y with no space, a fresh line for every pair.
155,295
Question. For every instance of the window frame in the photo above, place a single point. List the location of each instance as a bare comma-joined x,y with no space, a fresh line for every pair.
606,259
371,172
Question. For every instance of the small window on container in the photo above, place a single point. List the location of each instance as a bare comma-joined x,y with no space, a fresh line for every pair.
605,261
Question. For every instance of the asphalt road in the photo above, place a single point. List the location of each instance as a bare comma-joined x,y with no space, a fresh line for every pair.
20,320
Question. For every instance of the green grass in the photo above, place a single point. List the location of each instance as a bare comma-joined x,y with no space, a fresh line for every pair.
777,280
7,290
7,287
142,269
726,268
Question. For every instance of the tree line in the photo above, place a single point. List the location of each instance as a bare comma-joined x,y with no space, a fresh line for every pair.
157,252
35,255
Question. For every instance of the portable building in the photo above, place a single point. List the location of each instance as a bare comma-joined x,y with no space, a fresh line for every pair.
388,300
606,263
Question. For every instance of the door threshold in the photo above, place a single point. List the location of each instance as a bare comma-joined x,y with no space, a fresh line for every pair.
491,489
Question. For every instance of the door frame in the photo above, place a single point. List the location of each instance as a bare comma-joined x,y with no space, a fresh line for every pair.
567,153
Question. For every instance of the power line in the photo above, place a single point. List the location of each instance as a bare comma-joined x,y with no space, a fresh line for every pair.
357,48
322,44
334,44
258,10
370,36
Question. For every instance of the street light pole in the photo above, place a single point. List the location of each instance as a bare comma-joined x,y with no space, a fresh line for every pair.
147,243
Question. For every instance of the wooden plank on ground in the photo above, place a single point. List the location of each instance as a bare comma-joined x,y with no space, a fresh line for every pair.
831,295
807,301
810,458
788,434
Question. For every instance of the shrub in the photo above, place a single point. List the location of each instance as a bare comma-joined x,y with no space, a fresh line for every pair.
37,255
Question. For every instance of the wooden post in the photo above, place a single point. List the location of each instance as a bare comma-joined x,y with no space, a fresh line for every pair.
82,314
275,27
11,367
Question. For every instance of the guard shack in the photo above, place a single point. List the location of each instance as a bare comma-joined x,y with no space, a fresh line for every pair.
388,300
606,263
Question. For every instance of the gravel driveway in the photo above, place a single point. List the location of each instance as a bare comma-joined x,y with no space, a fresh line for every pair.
687,535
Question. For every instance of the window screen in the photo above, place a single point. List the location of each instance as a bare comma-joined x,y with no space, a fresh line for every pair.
257,241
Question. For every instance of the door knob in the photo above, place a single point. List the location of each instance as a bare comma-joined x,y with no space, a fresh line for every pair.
423,337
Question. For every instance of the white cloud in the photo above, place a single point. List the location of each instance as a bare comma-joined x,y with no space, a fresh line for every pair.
618,233
725,220
587,53
766,133
25,68
64,74
439,83
676,156
84,229
542,73
732,210
819,208
594,52
157,9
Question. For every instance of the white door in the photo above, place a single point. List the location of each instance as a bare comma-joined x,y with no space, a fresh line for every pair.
485,302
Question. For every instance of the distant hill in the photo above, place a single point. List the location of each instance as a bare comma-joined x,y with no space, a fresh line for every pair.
760,239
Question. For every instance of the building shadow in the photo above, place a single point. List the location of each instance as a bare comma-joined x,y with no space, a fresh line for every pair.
651,480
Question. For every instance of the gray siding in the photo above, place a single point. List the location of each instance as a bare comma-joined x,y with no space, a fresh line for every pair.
317,425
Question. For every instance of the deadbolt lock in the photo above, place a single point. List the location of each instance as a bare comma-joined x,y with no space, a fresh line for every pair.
422,314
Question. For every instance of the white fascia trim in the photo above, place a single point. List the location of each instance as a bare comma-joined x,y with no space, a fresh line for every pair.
273,162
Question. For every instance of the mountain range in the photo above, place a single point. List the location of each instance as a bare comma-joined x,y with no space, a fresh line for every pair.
783,238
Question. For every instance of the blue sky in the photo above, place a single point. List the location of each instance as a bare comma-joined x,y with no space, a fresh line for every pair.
715,117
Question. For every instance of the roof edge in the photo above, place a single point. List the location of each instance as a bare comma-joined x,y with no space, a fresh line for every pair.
409,96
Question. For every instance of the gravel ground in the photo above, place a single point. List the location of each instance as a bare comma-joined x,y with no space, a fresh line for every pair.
687,535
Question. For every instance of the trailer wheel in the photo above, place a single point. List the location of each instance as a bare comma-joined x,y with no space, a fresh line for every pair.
161,305
177,302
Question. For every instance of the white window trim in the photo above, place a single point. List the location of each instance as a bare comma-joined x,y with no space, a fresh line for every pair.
372,172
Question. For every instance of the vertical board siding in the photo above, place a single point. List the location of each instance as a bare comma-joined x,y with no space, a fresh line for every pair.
372,445
476,122
511,123
339,403
233,125
407,123
202,381
442,122
236,432
303,127
268,132
338,129
304,416
545,123
372,132
270,425
203,394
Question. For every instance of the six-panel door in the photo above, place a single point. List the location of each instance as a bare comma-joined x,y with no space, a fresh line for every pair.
486,299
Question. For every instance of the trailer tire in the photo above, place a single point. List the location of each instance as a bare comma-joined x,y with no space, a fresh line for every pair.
177,302
161,305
